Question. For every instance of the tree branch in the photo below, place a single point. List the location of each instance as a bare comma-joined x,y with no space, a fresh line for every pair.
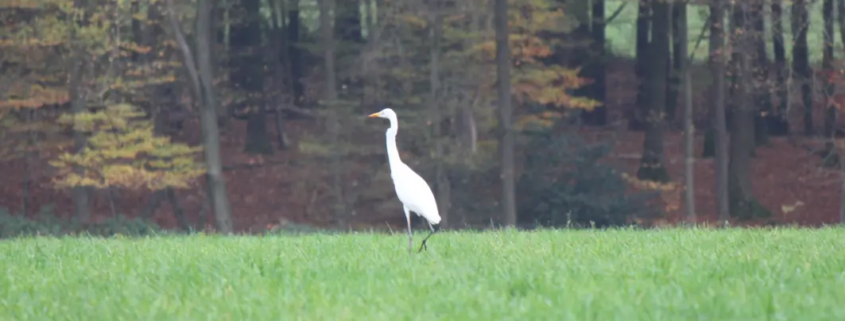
700,38
615,13
186,50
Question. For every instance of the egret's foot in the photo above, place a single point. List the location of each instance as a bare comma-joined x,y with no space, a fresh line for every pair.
424,246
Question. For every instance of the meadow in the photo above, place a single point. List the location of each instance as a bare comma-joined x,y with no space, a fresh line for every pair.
677,274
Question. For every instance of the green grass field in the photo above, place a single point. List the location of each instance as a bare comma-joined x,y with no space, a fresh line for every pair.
783,274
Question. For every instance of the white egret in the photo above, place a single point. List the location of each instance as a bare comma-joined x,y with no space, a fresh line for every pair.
411,188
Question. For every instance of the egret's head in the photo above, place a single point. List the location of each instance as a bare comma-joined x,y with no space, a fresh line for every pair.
384,113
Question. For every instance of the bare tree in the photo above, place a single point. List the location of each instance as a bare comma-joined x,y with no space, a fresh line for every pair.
674,74
149,35
651,163
841,11
81,194
761,95
506,141
208,113
742,200
347,22
205,66
801,60
827,66
717,61
778,124
330,96
468,129
275,54
443,184
842,193
294,52
840,8
247,74
689,129
640,69
595,68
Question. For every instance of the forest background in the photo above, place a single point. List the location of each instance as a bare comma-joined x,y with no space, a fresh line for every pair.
121,116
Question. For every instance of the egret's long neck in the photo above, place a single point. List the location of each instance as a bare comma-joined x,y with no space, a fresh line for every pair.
392,151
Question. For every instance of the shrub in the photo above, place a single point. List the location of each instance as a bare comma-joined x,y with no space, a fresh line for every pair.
123,226
46,223
18,225
564,184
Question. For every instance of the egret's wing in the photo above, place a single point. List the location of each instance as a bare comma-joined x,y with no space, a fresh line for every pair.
414,192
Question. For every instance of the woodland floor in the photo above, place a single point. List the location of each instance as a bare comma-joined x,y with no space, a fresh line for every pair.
788,179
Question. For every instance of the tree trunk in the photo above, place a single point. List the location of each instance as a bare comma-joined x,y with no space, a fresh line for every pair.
257,140
296,66
80,194
506,141
827,66
720,132
148,211
205,24
327,39
715,41
743,204
218,39
216,183
761,92
801,61
347,25
581,50
840,8
31,141
842,191
247,74
149,37
330,97
638,120
112,197
651,164
367,66
673,83
276,56
437,115
178,212
347,32
778,124
596,67
689,129
466,125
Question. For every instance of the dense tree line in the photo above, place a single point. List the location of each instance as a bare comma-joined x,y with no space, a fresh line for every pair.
472,77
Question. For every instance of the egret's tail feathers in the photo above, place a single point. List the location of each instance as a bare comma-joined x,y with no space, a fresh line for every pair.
434,220
431,216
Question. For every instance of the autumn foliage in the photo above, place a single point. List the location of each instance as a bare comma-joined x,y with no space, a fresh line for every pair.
534,80
53,48
122,151
88,90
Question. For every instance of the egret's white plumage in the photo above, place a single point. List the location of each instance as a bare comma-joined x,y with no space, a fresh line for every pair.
411,188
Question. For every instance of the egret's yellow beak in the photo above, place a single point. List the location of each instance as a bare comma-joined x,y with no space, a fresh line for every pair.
374,115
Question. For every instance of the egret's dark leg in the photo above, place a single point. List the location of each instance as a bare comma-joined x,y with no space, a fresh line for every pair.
423,246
